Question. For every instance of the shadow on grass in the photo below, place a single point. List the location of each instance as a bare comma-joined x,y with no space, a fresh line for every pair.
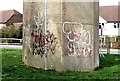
108,60
14,68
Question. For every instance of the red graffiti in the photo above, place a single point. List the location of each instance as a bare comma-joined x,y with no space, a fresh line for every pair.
42,41
80,52
73,36
86,51
73,47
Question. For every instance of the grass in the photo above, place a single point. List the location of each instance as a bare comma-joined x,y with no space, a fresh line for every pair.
13,69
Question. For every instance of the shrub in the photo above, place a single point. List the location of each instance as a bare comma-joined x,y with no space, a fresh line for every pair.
11,32
8,32
19,32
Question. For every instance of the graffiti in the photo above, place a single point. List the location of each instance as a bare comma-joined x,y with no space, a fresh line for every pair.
78,43
42,42
27,37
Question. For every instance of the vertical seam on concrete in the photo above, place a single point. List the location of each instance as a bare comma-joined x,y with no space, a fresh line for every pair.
61,6
96,61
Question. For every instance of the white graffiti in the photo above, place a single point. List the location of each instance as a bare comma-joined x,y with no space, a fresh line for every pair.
39,19
42,42
38,35
27,37
78,42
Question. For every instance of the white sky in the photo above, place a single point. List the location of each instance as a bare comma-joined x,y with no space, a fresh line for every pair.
18,4
11,4
108,2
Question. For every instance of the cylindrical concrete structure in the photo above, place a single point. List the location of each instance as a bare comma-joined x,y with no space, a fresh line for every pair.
61,35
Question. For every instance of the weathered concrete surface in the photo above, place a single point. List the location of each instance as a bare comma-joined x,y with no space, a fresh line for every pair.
71,42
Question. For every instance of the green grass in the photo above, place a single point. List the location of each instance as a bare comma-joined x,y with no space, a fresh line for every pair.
13,69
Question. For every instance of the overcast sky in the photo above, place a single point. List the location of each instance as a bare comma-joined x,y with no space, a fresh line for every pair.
108,2
18,4
11,4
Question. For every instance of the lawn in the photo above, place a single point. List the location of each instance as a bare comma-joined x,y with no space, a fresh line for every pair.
13,69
